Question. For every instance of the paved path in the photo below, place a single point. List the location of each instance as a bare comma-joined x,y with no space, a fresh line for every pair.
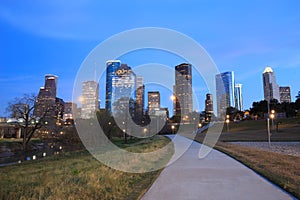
217,176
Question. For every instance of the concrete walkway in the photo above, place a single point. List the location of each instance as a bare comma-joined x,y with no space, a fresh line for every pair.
217,176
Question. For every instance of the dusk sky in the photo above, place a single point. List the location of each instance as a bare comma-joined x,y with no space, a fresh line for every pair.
54,37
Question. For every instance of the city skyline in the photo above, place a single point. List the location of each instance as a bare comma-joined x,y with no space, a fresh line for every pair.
234,90
238,39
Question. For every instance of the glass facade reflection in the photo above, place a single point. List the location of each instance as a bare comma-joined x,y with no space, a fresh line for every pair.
225,92
111,68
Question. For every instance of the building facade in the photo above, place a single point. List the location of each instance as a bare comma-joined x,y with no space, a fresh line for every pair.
123,89
90,99
225,92
153,101
70,110
48,107
111,68
183,90
285,94
209,107
238,96
47,95
140,96
271,89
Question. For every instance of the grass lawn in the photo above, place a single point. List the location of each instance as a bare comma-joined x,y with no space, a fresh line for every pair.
77,175
288,130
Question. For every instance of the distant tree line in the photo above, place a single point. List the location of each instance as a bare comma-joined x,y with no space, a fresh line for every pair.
290,109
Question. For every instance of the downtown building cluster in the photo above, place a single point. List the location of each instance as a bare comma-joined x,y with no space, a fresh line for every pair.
125,91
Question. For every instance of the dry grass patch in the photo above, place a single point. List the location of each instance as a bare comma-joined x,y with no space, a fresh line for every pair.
75,176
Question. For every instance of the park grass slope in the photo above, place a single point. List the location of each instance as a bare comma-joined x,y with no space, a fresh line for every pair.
77,175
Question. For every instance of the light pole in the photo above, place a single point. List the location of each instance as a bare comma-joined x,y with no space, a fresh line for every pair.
268,124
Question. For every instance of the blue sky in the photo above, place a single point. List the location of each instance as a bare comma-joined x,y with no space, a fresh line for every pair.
42,37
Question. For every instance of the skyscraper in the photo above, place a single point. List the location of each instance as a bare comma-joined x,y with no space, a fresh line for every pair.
123,89
51,84
271,89
140,96
238,96
225,92
285,94
90,99
47,95
183,89
153,101
47,105
111,68
209,107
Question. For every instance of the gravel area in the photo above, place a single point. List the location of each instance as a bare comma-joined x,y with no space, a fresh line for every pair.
289,148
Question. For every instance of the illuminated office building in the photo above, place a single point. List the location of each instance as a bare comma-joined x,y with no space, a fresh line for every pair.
123,89
90,99
285,94
140,96
183,90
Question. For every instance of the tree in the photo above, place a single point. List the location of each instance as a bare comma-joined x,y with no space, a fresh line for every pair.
106,122
298,96
259,108
21,110
234,113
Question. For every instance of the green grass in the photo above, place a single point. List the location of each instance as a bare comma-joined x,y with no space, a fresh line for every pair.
288,130
77,175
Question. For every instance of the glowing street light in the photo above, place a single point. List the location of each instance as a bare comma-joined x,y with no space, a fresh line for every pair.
272,116
173,127
227,122
199,125
173,97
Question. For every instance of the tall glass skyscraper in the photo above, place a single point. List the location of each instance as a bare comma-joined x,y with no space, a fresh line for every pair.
111,68
271,89
225,92
183,90
238,96
120,87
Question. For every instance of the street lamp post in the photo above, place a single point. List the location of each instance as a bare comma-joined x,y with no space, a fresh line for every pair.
268,124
